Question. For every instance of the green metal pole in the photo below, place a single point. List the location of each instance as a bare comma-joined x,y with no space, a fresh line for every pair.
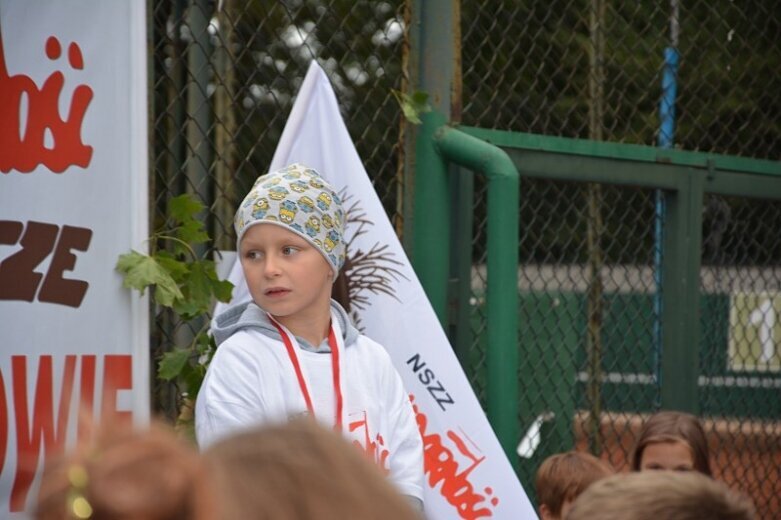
436,44
431,239
502,298
681,292
460,281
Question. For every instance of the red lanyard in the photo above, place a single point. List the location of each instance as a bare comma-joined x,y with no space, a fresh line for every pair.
291,352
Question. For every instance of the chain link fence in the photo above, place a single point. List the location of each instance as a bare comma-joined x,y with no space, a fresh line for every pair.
586,339
593,69
590,355
224,78
740,356
224,75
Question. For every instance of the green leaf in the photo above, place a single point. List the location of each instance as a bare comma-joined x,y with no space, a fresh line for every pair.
223,290
419,99
187,308
176,268
220,289
184,208
172,363
192,378
200,287
192,232
410,114
197,290
128,263
204,343
141,271
412,106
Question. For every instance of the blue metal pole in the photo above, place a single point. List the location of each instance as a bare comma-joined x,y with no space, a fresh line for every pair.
667,103
665,140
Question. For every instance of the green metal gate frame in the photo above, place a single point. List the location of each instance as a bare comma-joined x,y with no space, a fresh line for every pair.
500,156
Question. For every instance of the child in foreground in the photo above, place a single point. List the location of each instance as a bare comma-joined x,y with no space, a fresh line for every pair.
564,476
292,350
297,471
661,495
121,473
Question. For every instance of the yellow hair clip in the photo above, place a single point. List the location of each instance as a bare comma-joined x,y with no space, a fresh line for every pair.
78,505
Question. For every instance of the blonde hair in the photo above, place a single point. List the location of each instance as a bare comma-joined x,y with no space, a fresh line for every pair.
653,495
298,471
564,476
126,474
671,427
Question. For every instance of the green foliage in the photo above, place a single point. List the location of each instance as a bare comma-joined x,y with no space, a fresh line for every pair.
181,281
141,271
412,105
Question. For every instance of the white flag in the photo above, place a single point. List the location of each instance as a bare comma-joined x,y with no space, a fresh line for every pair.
467,475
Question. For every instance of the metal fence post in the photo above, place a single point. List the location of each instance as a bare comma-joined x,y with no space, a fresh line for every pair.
462,184
502,269
680,296
436,46
199,157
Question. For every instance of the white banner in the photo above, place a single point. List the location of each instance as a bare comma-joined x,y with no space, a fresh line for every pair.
73,197
467,474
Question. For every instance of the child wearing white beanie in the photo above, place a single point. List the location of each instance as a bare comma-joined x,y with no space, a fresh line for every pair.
292,350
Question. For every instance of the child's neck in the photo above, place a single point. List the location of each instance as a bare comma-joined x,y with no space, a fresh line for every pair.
313,329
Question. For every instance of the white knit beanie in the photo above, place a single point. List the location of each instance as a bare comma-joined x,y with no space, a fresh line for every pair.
299,199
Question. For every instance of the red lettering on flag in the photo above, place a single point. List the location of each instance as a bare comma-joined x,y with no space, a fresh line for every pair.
442,467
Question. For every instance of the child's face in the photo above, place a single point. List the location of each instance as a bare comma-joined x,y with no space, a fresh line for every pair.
287,277
669,455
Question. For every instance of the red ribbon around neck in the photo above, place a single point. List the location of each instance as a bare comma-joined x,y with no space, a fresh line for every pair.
291,352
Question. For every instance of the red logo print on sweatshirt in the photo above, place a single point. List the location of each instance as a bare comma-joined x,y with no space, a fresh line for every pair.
43,137
372,445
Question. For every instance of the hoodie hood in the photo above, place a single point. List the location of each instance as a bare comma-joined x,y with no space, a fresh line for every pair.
248,315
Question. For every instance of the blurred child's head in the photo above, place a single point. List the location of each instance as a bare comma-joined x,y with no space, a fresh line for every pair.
299,470
657,495
290,232
672,441
564,476
124,473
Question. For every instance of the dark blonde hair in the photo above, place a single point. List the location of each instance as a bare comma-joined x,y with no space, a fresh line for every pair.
127,474
671,427
564,476
656,495
299,471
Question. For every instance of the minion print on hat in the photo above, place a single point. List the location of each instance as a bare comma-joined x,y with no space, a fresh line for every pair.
299,199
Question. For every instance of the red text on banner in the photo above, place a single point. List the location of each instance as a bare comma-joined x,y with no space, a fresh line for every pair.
43,137
38,426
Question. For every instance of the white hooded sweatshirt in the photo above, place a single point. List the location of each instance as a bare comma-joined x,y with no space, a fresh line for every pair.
252,381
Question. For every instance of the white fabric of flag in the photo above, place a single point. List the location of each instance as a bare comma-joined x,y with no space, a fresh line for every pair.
467,475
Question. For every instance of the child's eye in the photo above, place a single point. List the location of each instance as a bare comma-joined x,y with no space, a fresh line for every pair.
289,250
252,255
